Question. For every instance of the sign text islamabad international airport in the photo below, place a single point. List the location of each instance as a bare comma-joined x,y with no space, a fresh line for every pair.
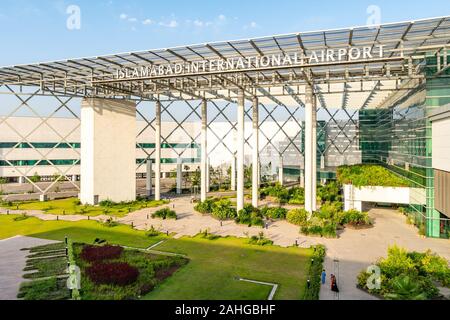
251,63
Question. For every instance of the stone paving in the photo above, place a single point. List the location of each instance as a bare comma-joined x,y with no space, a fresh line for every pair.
355,250
12,263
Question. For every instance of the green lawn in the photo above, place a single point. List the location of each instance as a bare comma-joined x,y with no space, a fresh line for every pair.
216,265
83,231
71,206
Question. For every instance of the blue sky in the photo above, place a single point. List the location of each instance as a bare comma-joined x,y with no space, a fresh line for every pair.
33,31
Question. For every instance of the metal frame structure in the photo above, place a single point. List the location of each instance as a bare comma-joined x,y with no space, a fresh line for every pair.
344,85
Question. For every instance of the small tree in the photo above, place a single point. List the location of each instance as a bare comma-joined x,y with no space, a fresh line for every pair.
35,179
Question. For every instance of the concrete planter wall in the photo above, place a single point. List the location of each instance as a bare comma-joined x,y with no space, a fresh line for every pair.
354,197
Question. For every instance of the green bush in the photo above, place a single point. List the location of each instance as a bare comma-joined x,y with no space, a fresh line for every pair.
260,240
330,192
164,214
250,216
318,227
152,232
355,218
314,274
409,275
276,213
297,196
330,211
370,175
223,210
205,206
298,217
277,191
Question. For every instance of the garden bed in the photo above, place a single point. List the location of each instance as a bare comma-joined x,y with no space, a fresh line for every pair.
114,273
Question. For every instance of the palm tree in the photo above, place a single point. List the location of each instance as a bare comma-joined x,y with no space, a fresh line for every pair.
405,289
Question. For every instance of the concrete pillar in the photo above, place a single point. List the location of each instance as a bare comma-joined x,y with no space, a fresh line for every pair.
280,171
22,180
158,151
310,151
74,178
108,150
233,173
204,153
255,155
179,176
149,179
240,150
302,178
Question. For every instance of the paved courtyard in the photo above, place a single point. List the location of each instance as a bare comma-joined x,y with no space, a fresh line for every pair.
12,262
354,251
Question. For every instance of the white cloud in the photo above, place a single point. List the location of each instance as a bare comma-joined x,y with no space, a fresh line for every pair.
132,20
253,24
147,22
123,16
170,24
222,17
198,23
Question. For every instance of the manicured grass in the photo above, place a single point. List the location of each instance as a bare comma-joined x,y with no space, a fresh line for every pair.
71,206
82,231
217,265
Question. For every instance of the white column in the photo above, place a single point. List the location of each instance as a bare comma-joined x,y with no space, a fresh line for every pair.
240,151
280,171
310,151
179,176
314,153
233,173
255,155
302,178
74,178
22,180
149,177
204,153
158,151
322,162
108,150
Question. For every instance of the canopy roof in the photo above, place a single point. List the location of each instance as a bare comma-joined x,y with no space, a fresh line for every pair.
401,41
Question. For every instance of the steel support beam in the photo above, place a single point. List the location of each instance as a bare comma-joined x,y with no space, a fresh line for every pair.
240,150
158,151
255,154
204,152
148,179
310,150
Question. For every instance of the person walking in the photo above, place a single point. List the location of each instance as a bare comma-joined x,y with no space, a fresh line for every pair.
324,277
334,285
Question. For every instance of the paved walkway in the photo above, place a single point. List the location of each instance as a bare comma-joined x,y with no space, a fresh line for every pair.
355,250
12,263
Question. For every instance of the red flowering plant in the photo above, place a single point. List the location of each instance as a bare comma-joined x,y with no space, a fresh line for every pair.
120,274
101,253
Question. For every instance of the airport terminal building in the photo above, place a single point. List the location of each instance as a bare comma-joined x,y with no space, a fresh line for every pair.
298,105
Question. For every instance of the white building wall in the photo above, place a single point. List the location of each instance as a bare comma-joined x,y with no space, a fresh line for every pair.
441,144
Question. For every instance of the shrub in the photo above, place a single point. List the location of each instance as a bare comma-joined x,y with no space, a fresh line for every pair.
110,223
107,204
397,262
355,218
297,217
22,217
405,288
260,240
250,216
223,210
297,196
205,206
120,274
330,211
319,227
274,212
330,192
164,214
369,175
277,191
314,274
152,232
100,253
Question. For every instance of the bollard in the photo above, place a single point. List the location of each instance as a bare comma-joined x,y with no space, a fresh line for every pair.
308,283
57,218
167,233
132,224
64,212
296,243
67,251
7,212
65,240
89,218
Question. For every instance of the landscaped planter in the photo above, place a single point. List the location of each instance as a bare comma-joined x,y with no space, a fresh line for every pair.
354,197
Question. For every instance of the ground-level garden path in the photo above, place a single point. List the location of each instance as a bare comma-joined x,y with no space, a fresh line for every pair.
12,262
354,251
